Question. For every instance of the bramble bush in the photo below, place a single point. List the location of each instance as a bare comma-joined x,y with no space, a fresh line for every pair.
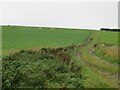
46,68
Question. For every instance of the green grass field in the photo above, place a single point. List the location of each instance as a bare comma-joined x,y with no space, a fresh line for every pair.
59,58
15,38
109,37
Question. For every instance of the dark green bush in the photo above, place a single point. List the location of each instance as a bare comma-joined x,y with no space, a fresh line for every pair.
40,69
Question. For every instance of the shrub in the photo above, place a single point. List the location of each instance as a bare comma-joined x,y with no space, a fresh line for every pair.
40,69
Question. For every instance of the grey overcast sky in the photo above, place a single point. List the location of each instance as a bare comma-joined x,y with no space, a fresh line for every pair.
89,15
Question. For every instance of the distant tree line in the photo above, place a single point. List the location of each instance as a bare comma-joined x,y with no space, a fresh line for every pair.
107,29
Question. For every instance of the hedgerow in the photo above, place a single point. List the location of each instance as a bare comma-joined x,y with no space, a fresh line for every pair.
46,68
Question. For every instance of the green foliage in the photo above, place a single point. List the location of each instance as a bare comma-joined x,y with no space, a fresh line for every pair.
108,52
41,69
0,42
110,59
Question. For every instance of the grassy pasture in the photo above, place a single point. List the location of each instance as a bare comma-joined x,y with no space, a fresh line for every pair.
16,38
109,37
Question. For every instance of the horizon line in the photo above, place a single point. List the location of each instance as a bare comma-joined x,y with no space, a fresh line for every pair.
70,27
